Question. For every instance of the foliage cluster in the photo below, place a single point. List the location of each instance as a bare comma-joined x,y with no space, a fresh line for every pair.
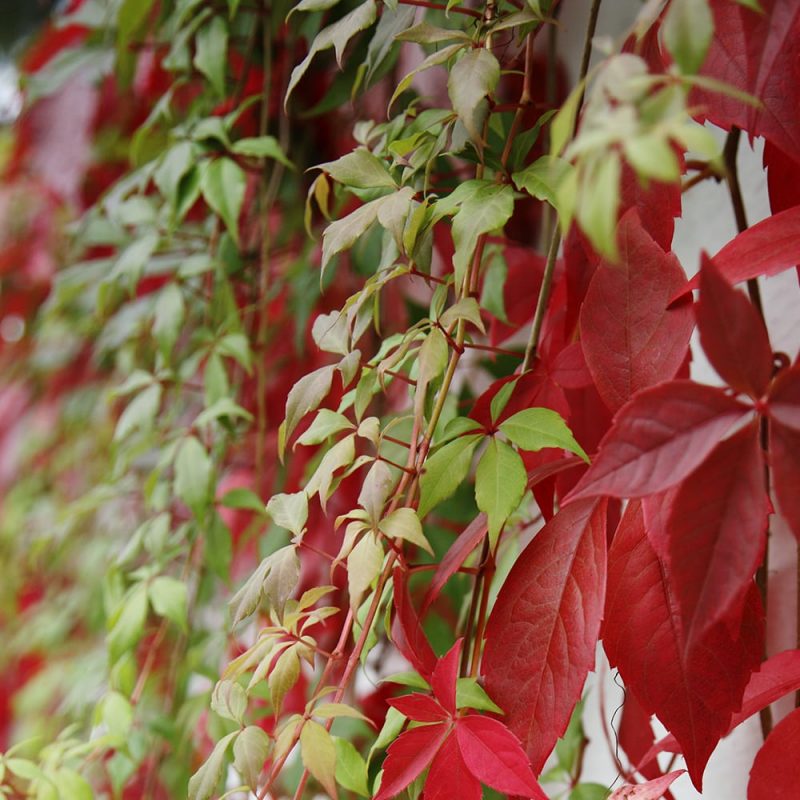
347,401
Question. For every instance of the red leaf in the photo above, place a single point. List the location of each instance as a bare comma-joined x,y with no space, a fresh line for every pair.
652,790
449,776
776,769
408,755
693,692
733,334
783,178
419,707
784,454
766,248
444,677
658,438
453,559
758,53
716,532
775,678
630,339
636,736
542,632
495,757
407,632
784,399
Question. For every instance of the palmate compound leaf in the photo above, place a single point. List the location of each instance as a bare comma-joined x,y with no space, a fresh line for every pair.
693,691
630,339
733,334
776,769
542,633
658,438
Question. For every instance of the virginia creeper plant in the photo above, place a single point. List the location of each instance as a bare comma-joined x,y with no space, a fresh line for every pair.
348,402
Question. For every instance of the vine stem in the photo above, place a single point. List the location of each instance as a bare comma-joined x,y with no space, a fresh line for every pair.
730,153
555,238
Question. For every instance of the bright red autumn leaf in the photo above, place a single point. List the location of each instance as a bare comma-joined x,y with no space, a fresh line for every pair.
629,337
693,691
445,677
449,776
651,790
407,633
419,707
776,769
757,53
732,333
495,756
542,632
658,438
784,399
766,248
715,531
636,737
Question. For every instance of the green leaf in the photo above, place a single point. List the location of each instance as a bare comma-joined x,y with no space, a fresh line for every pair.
500,483
589,791
249,596
337,710
211,52
536,428
403,523
203,784
444,471
250,752
433,60
376,489
501,398
327,423
341,455
486,210
223,184
652,156
168,318
432,360
237,347
282,577
116,713
351,769
598,203
289,511
563,124
140,413
470,694
364,564
336,36
283,677
168,598
473,77
173,166
313,5
424,33
229,700
305,396
193,475
319,755
568,747
361,170
261,147
72,785
466,308
543,178
127,623
687,30
243,498
130,17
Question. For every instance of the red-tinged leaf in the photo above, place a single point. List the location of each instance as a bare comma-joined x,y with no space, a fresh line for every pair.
777,677
652,790
408,755
419,707
784,399
495,756
636,736
757,53
776,769
568,368
630,339
658,438
783,178
407,633
693,692
716,531
733,334
449,777
542,632
455,557
445,676
784,454
767,248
